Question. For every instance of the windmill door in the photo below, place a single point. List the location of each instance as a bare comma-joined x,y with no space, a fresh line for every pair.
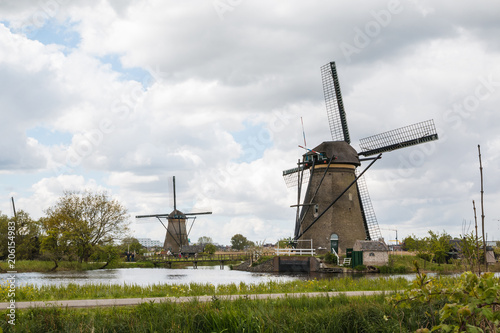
334,243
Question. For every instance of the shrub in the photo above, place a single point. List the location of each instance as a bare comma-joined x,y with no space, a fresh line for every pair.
330,258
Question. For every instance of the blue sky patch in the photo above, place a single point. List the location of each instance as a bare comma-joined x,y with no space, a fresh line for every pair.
53,32
49,137
135,73
254,140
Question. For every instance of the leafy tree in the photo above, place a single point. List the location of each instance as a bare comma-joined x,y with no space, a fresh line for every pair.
439,245
469,251
54,246
131,244
4,223
27,236
84,220
239,242
287,242
210,249
205,240
434,247
106,253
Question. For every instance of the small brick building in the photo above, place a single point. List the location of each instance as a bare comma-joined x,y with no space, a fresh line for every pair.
375,253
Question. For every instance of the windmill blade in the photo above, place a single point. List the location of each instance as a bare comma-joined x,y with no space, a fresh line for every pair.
399,138
369,217
291,176
334,105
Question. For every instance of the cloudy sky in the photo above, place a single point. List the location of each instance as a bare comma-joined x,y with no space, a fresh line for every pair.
122,95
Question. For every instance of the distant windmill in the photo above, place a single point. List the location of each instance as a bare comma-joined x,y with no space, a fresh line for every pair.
176,236
336,209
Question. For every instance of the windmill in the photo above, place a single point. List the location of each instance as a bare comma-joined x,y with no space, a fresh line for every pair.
177,234
336,209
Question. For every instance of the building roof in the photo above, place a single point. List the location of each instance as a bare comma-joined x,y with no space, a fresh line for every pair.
371,245
343,152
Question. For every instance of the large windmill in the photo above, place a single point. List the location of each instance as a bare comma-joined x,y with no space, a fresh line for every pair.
177,234
336,209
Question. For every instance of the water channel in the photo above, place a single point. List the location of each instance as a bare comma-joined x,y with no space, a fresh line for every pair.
149,276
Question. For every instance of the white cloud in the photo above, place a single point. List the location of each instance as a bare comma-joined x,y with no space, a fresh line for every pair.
221,106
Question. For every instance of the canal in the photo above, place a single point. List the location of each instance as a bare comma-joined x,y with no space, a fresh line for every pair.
149,276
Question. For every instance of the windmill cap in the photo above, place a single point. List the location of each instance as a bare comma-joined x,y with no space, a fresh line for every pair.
177,214
342,151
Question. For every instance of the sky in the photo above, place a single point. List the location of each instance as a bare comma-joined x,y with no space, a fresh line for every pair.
122,95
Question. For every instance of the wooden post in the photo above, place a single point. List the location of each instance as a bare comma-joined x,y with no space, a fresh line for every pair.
477,241
482,207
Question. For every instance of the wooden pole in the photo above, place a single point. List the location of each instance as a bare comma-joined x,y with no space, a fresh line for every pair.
482,207
477,240
13,206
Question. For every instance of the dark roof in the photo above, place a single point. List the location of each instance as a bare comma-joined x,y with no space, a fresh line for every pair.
372,245
177,214
343,152
192,248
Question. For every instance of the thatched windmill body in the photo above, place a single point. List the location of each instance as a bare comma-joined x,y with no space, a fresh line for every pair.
335,208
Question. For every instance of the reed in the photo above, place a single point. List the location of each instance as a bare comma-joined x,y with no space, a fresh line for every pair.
100,291
320,314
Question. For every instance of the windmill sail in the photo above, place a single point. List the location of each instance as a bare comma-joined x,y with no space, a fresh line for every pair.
334,105
399,138
369,217
291,176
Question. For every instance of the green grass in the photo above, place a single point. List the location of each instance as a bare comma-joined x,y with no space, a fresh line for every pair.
46,266
101,291
404,264
320,314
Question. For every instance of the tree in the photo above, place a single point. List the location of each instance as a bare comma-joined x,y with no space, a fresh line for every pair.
27,235
84,220
131,244
439,246
106,253
239,242
434,247
468,249
54,246
210,249
287,242
205,240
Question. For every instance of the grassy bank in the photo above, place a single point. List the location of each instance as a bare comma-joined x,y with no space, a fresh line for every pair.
101,291
47,266
321,314
399,263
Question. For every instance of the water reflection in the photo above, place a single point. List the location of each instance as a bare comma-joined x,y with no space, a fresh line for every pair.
148,276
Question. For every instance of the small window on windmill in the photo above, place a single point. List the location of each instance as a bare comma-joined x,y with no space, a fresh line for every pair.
316,210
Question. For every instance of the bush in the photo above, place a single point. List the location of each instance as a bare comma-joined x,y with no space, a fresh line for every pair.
399,269
360,268
330,258
425,256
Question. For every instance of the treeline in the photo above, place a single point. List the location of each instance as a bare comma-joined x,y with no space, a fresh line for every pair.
80,226
441,248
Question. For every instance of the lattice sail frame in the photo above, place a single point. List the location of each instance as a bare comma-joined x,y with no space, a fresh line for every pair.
371,223
334,105
291,176
411,135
